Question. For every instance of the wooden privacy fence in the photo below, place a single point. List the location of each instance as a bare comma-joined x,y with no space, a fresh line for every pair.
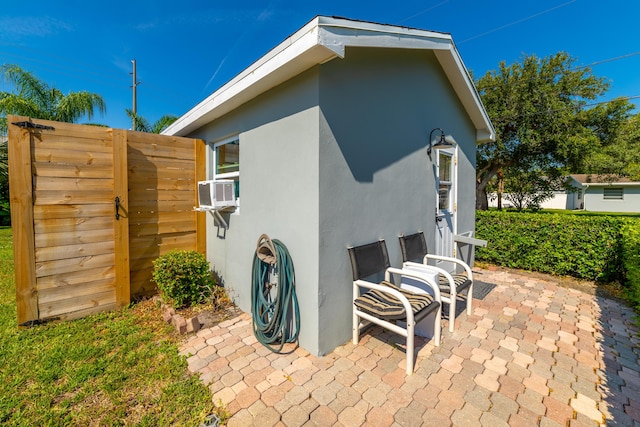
91,208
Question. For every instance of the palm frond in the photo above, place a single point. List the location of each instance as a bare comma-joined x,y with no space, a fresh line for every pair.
13,104
163,123
141,124
74,105
26,84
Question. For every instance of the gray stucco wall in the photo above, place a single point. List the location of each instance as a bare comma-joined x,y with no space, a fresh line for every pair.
378,107
337,157
279,193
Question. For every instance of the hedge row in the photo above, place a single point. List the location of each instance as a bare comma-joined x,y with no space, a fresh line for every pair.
631,261
599,248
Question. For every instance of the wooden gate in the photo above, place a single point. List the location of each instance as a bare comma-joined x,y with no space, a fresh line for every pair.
91,208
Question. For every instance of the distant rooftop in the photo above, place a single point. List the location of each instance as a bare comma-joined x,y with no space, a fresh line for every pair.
596,179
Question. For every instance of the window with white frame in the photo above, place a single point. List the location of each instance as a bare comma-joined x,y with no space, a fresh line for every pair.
613,193
226,161
445,183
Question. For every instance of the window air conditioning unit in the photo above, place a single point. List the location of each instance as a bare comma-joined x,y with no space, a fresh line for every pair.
216,194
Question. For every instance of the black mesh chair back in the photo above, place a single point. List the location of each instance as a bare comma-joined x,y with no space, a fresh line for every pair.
369,259
413,247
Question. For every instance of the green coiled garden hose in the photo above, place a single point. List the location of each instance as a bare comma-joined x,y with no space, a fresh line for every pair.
276,318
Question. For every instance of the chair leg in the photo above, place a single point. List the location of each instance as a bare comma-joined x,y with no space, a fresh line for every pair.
410,347
469,299
437,327
356,328
452,312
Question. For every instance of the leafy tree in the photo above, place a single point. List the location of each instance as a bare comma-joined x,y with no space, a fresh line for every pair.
529,188
142,125
617,153
535,107
35,98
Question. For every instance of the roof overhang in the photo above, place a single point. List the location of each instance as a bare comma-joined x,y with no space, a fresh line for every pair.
321,40
596,180
609,184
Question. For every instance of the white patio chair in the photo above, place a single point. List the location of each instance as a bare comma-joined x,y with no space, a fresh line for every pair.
386,304
452,285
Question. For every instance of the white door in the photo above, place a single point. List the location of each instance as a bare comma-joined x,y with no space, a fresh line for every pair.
446,211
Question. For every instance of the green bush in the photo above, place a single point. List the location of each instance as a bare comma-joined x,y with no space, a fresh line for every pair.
183,277
586,247
631,261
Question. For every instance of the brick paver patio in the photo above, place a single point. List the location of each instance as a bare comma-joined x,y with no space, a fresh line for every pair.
533,353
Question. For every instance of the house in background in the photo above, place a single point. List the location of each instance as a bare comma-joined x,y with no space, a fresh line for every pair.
558,201
598,194
591,192
327,137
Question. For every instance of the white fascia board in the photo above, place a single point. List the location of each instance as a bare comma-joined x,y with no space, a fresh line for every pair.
338,33
291,57
321,40
611,184
460,79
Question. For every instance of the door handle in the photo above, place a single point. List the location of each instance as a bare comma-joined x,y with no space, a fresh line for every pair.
117,200
439,219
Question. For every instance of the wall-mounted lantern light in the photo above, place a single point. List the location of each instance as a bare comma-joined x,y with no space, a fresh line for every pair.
440,141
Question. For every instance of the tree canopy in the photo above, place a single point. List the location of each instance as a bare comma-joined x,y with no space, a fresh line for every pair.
34,98
540,110
616,151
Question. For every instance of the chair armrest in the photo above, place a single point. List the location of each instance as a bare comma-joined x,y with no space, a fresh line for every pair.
415,275
445,273
461,263
468,239
370,285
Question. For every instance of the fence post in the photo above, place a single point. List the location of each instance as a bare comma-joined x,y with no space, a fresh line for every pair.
21,194
121,224
201,175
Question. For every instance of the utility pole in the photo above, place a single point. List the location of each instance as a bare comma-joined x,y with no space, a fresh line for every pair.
134,119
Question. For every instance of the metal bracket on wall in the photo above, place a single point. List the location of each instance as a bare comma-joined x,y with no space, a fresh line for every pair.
220,219
29,125
216,214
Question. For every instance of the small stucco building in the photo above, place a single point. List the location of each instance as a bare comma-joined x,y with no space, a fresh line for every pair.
603,194
327,138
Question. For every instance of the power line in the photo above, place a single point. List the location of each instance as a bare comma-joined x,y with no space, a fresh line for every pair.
67,60
606,60
51,64
602,61
102,79
556,110
423,11
502,27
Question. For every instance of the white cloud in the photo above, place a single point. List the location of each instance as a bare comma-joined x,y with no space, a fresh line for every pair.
27,26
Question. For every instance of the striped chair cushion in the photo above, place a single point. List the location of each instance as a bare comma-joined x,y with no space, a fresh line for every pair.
461,281
386,306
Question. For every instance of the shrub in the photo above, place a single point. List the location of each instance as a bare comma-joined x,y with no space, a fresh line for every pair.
631,262
586,247
183,277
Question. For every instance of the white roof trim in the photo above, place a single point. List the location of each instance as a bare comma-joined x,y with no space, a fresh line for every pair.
324,39
597,182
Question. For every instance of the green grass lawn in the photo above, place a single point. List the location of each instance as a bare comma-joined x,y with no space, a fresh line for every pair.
119,368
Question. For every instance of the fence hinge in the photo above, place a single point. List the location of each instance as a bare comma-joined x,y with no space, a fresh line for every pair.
29,125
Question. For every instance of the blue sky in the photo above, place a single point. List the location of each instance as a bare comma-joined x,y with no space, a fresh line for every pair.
186,50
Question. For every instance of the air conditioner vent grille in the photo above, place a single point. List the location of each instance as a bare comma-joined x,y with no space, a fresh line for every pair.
216,194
